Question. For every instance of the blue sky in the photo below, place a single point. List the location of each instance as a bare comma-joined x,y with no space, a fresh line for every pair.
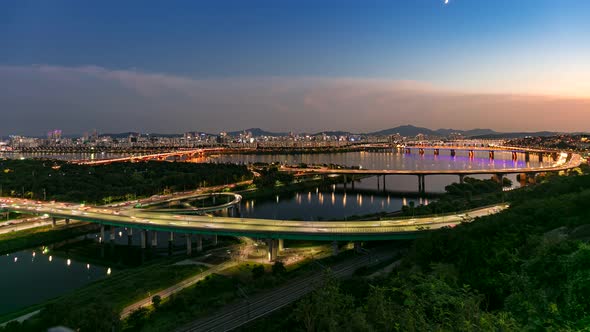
528,47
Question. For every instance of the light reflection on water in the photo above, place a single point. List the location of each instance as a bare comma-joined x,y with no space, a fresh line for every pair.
32,276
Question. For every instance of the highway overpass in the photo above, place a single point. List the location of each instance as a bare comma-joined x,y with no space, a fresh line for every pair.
273,230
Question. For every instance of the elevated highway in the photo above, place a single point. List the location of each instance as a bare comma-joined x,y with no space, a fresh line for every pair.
259,228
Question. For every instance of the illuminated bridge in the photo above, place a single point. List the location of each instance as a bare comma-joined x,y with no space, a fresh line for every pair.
272,230
177,155
562,162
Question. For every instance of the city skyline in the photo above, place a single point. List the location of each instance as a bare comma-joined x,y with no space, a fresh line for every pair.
331,66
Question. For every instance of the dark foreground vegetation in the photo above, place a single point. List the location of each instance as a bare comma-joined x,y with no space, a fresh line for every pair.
527,268
61,181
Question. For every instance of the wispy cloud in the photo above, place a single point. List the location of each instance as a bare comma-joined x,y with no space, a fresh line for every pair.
77,99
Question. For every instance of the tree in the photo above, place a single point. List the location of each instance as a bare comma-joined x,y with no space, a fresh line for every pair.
258,271
278,268
156,300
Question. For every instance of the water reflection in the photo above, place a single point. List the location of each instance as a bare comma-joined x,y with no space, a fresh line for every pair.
29,278
328,204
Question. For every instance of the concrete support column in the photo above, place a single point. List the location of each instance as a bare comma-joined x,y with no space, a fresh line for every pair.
461,178
541,157
112,234
67,221
527,156
272,249
199,242
189,244
154,239
101,239
170,243
500,178
421,184
281,245
384,182
129,236
352,182
335,248
143,240
214,239
53,221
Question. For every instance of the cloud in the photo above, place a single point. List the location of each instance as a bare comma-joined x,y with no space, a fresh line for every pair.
34,99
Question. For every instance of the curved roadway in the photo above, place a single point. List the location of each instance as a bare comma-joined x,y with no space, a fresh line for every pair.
262,228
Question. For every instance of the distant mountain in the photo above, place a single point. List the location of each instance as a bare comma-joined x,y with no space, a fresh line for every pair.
257,132
334,133
466,133
516,135
407,130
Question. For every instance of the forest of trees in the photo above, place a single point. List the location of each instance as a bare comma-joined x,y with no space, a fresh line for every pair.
527,268
62,181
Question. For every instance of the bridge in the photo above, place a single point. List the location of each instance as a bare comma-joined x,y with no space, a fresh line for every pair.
564,162
177,155
272,230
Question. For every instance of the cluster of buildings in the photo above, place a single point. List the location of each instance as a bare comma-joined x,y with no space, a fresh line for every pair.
562,142
254,138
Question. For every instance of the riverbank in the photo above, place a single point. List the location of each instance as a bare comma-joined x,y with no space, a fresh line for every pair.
42,236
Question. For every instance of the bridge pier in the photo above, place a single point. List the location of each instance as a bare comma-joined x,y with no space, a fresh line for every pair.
514,156
492,155
461,178
335,248
189,244
67,221
541,157
527,156
101,238
214,239
471,154
453,153
129,236
112,235
272,249
143,239
171,242
384,183
53,221
352,182
281,245
154,238
421,184
500,178
199,242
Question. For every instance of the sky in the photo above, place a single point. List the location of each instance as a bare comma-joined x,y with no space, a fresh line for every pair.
293,65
